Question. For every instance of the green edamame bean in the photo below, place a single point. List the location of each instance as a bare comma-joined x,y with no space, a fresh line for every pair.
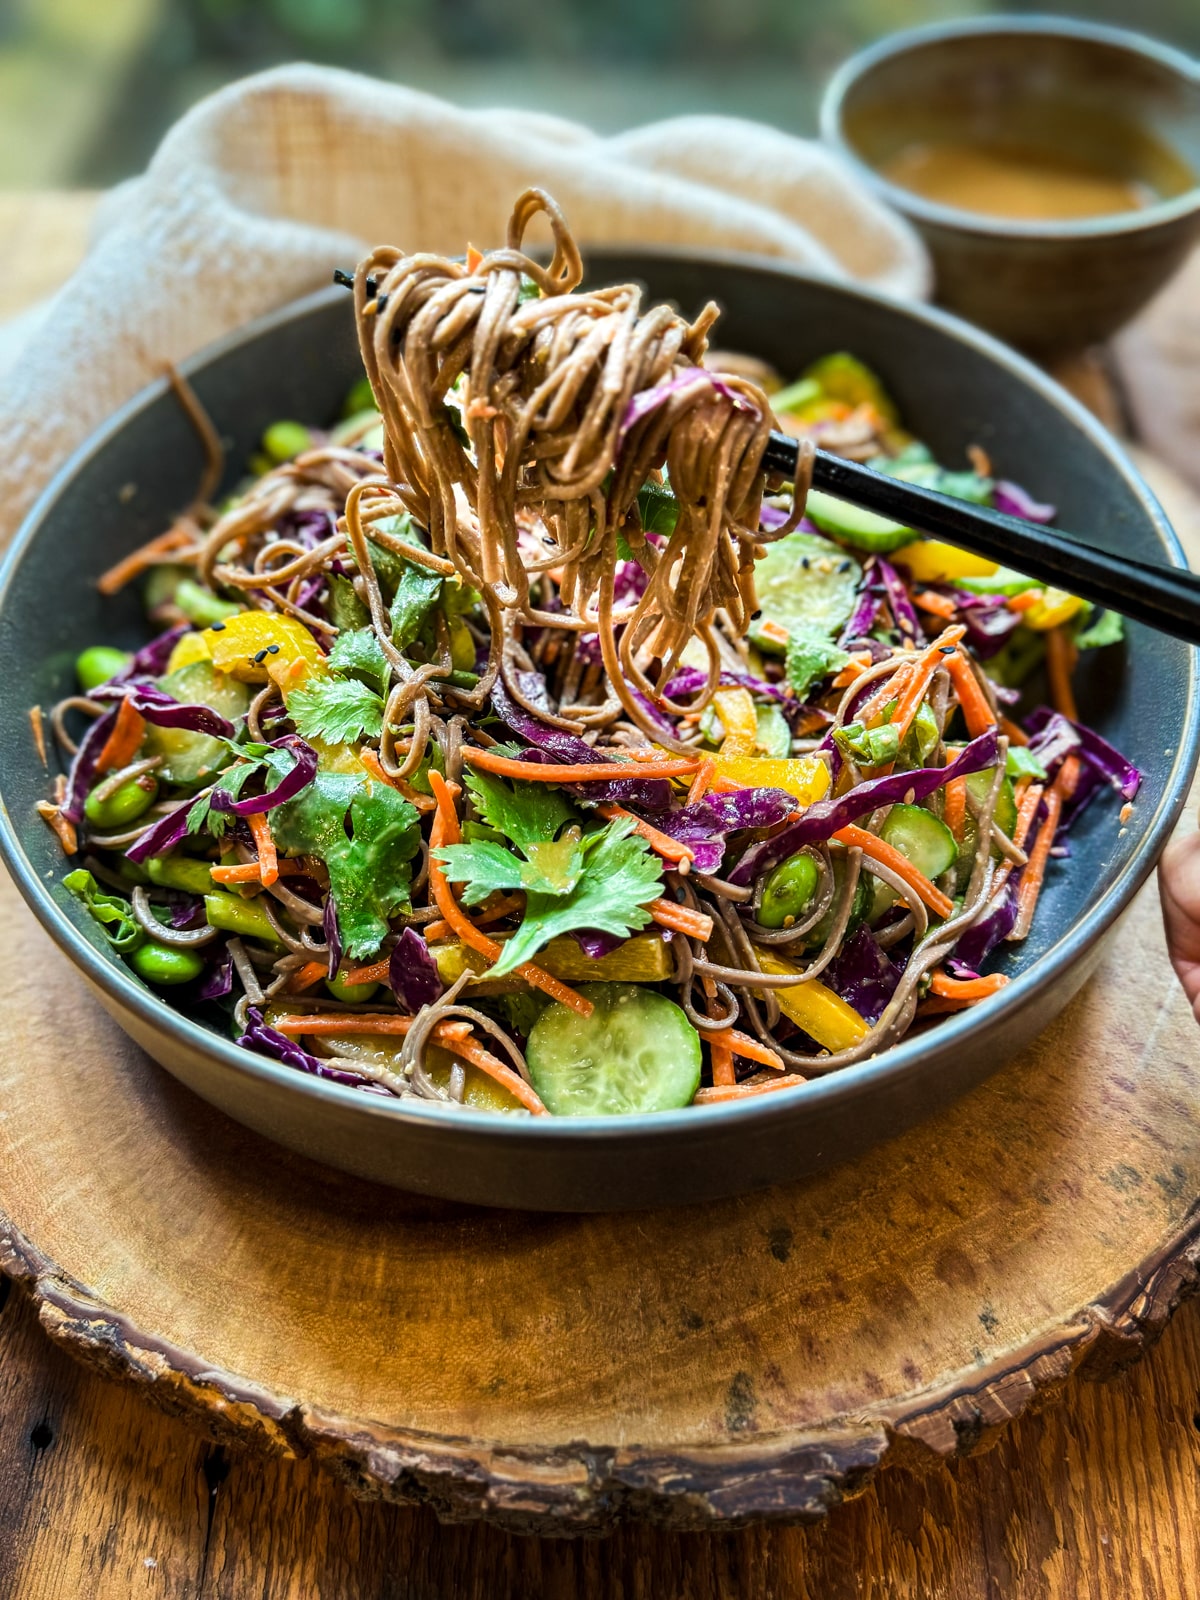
124,805
98,664
283,440
352,993
360,398
163,965
180,872
788,891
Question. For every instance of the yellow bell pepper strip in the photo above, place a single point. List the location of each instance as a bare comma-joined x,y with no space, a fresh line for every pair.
932,561
822,1014
253,647
805,777
1055,607
739,720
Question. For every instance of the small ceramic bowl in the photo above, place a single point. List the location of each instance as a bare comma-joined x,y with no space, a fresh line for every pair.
1101,96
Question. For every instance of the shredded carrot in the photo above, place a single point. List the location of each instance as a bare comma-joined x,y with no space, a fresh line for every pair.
471,1050
58,824
1068,777
870,845
1033,875
852,671
474,259
681,918
1029,798
948,988
743,1091
374,766
1024,601
750,1049
323,1022
926,664
938,1005
954,811
938,605
147,555
661,843
978,714
377,972
121,745
892,689
264,843
1059,666
772,631
702,782
1013,733
304,977
441,929
721,1057
251,871
37,728
446,831
584,772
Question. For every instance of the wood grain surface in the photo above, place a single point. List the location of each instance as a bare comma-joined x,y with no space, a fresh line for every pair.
102,1495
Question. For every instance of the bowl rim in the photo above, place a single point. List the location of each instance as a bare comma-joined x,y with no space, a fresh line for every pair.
933,213
114,980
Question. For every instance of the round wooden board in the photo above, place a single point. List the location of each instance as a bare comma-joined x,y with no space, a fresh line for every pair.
753,1359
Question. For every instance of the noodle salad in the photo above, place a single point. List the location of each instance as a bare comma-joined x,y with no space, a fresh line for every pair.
514,743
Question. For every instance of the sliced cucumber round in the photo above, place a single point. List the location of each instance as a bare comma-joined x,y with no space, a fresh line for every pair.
866,530
923,838
804,584
193,757
979,786
637,1052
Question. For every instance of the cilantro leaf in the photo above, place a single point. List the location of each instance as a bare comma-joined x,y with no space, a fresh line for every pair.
620,876
480,868
811,655
338,710
417,592
346,610
366,834
1106,628
554,867
359,654
232,781
526,813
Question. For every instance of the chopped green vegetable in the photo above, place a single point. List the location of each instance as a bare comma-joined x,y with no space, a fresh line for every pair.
283,440
795,396
111,911
346,610
165,965
200,606
810,657
98,664
923,838
234,914
1103,628
359,654
805,583
124,805
772,735
1022,763
789,890
417,592
841,376
870,747
366,834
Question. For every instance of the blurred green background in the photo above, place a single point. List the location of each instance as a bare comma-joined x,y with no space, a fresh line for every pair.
88,86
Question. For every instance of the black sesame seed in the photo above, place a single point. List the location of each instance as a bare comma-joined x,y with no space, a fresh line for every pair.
272,649
370,285
218,627
844,566
346,279
947,650
259,658
754,615
380,304
681,894
804,562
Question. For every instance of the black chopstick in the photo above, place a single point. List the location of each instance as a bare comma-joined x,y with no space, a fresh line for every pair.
1164,598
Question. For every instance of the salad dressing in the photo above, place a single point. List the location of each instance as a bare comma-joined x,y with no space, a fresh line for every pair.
1032,182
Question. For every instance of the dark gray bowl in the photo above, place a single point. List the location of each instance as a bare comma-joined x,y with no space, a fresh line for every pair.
955,387
1045,286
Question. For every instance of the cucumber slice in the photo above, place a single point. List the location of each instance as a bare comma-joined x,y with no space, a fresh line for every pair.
919,835
979,786
864,529
804,584
637,1052
192,757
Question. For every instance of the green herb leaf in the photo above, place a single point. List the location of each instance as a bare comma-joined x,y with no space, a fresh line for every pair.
1106,628
526,813
359,654
114,914
346,610
480,869
870,747
366,834
811,655
621,875
417,592
338,710
233,780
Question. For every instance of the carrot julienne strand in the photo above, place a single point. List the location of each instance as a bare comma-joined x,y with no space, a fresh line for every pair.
264,843
926,664
121,746
954,810
1059,665
879,850
744,1091
948,988
977,714
695,924
661,843
147,555
584,772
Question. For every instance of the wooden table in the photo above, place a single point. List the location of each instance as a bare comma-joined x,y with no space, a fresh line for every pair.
102,1496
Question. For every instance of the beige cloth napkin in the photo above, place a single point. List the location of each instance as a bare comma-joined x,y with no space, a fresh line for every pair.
260,190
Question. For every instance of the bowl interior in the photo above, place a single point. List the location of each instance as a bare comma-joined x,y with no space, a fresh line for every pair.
1129,109
954,386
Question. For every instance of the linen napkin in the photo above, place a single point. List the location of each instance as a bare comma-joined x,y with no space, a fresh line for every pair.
260,190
